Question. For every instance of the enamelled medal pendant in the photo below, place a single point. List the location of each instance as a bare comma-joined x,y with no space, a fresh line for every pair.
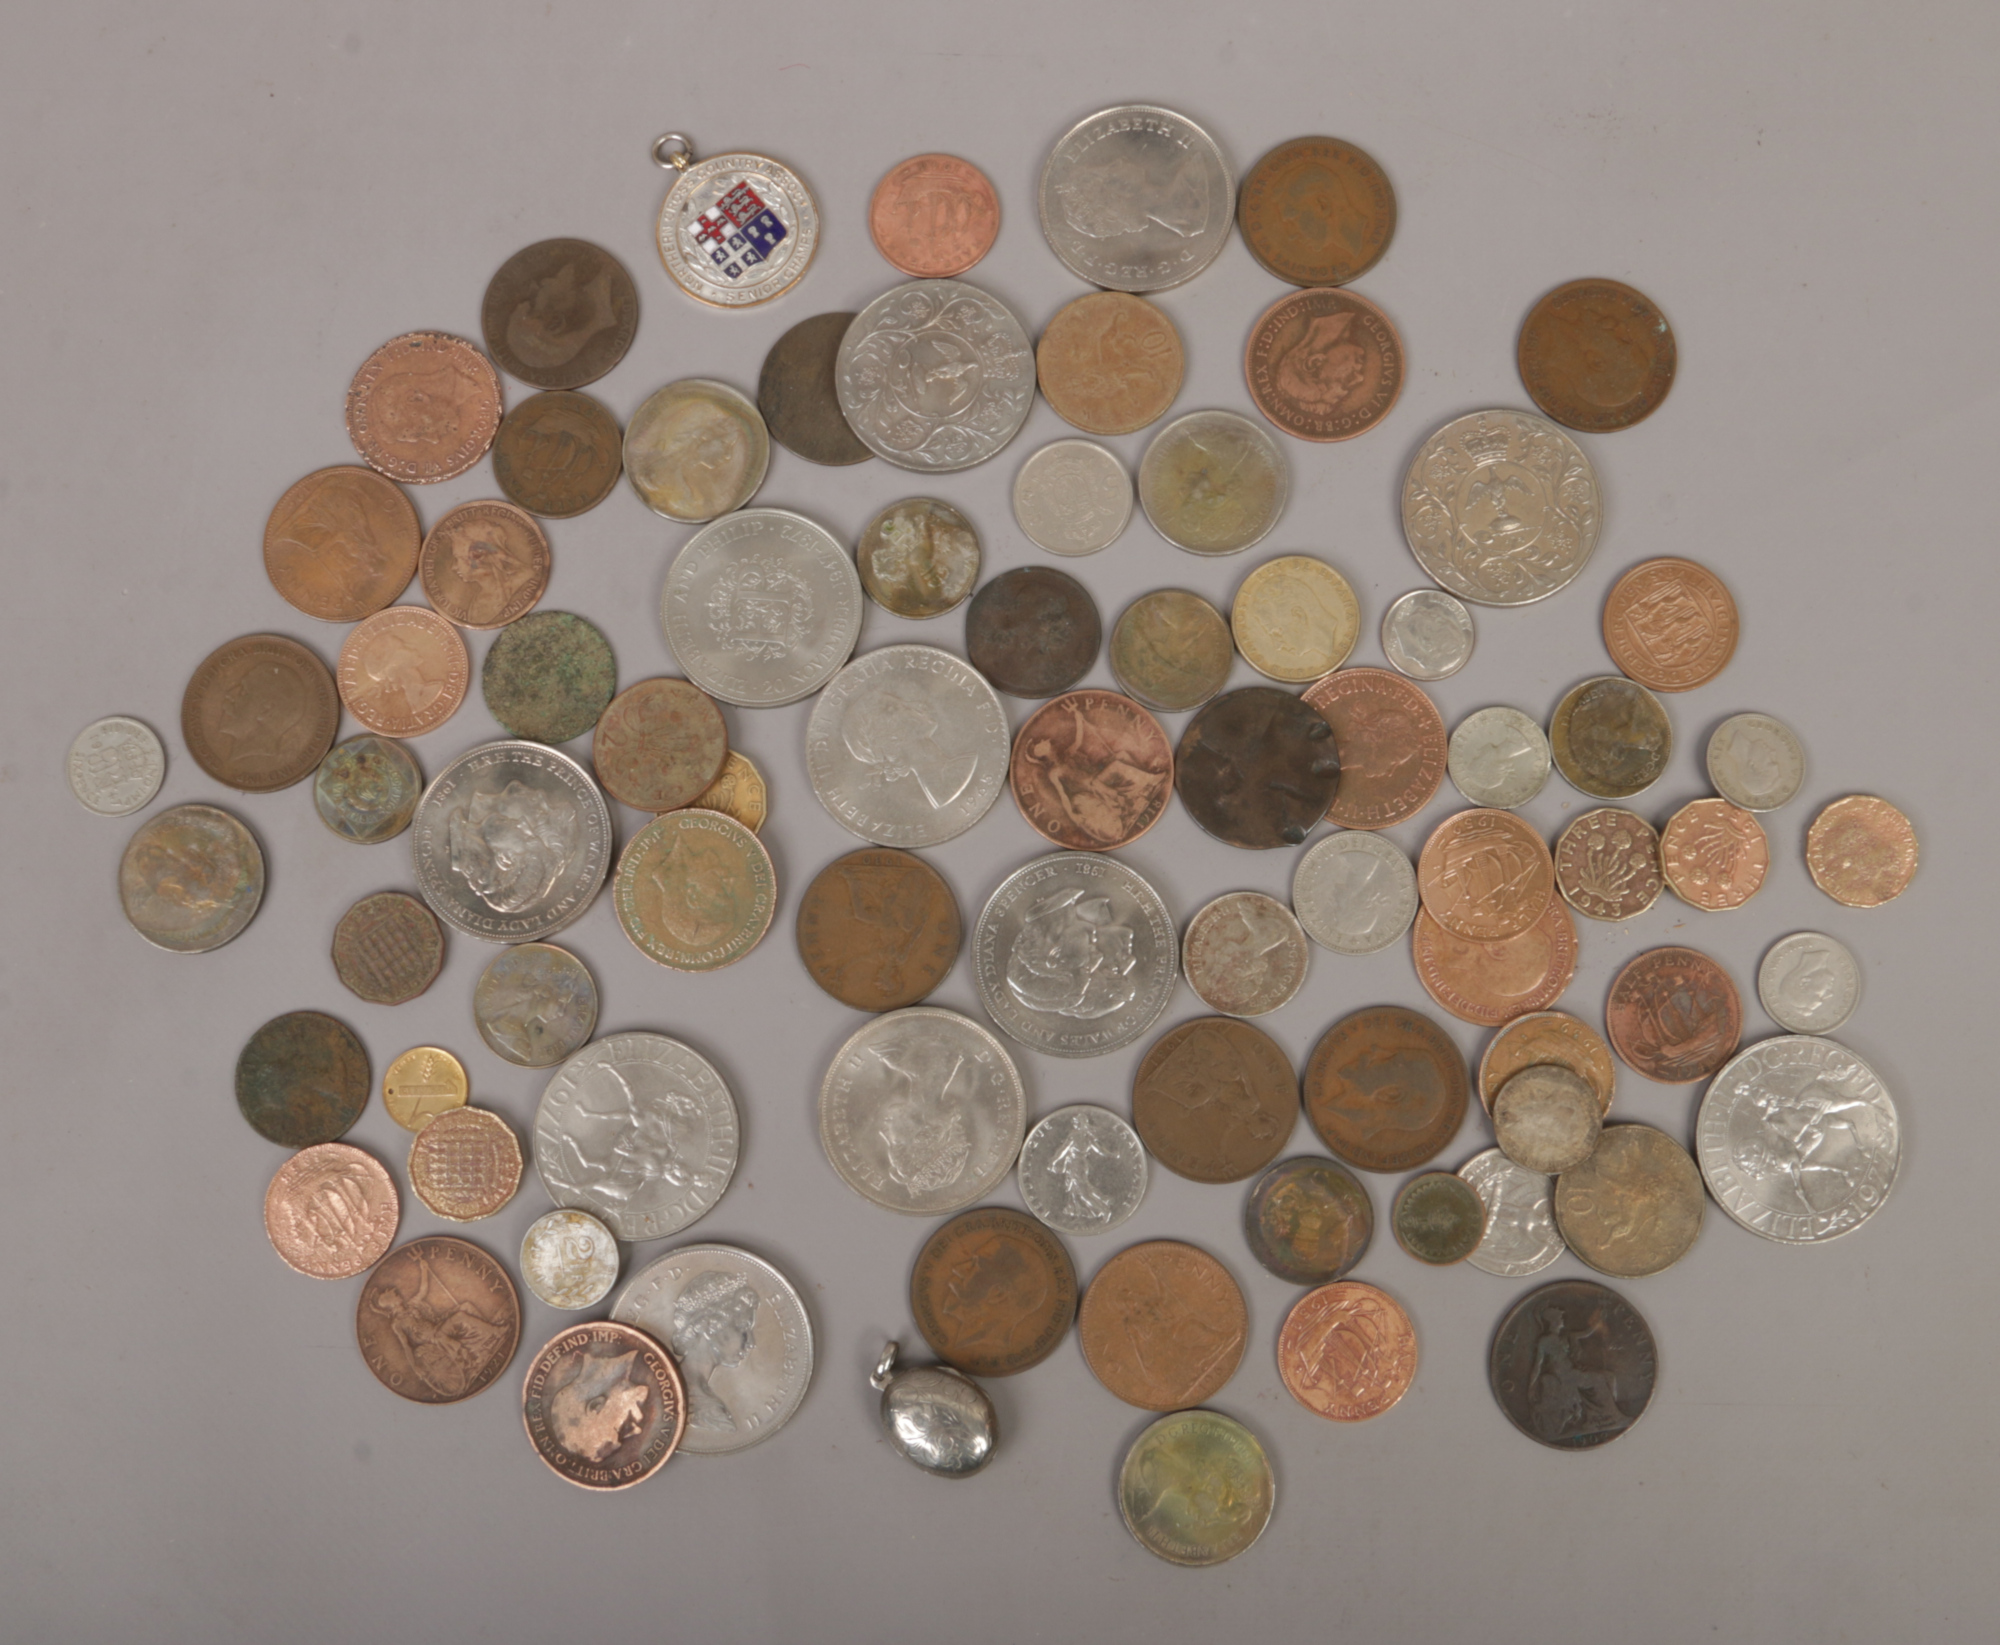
736,229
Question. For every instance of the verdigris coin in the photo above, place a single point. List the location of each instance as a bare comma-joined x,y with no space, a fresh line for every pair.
367,788
549,676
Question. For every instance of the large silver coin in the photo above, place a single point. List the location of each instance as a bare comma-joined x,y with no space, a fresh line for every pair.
1137,198
639,1131
511,842
1755,762
1798,1139
1072,497
1083,1170
1521,1236
1809,983
1501,507
739,1333
1354,892
1427,635
935,375
1498,757
535,1004
761,607
908,746
1075,955
117,765
922,1111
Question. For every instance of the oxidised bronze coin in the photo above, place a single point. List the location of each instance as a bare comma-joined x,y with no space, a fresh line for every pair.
879,929
1308,1220
1548,1037
485,564
259,713
1861,851
1324,365
993,1292
1163,1325
1109,363
1091,770
918,558
560,313
549,677
367,789
191,879
558,454
465,1164
1316,211
1674,1015
659,745
403,671
1172,650
1670,624
1257,767
1347,1351
604,1405
341,543
1634,1206
438,1320
1485,875
1492,982
1215,1100
1597,355
739,793
1033,631
1438,1218
1573,1365
1611,737
1386,1088
302,1079
388,948
1392,746
1608,864
423,407
796,393
695,890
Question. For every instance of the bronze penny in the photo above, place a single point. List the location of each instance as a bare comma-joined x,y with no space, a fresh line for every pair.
1347,1351
548,677
1386,1088
1172,650
1548,1037
1597,355
558,454
485,564
1324,365
1714,854
1109,363
331,1211
1308,1220
879,929
302,1079
1316,211
388,948
465,1164
438,1320
993,1292
1438,1219
604,1405
933,216
1670,624
1485,875
341,543
1634,1207
659,745
1493,982
1862,851
1091,770
738,793
796,393
1257,767
1392,745
1673,1015
1163,1325
1608,864
1573,1365
403,671
366,789
1033,631
918,558
1215,1100
560,313
423,407
259,713
1611,738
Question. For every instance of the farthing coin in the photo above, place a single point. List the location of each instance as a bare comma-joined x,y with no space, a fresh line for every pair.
1427,634
1546,1119
560,313
1798,1139
935,375
558,454
1163,1325
1033,631
1634,1206
1075,955
603,1405
1611,738
366,789
341,543
797,395
302,1079
1244,954
569,1259
1673,1015
1490,982
739,792
423,407
1082,1170
1072,497
1714,854
1308,1220
1354,892
1196,1488
549,676
1347,1351
993,1292
388,948
934,215
1501,507
1498,757
734,229
116,765
761,608
1215,1099
1257,768
190,879
1317,211
465,1164
1391,742
1110,363
1213,482
695,890
534,1004
1573,1365
1755,762
659,744
1670,624
1324,365
1608,864
438,1320
1172,650
1861,851
421,1084
922,1111
696,449
485,564
1520,1237
1809,983
331,1211
879,929
1548,1037
259,713
918,558
403,672
1092,770
1438,1218
1378,1123
907,746
639,1131
1295,618
1136,198
1597,355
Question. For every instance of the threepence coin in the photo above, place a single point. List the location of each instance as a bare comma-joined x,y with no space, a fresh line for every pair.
388,948
366,789
1611,738
659,744
1573,1365
465,1164
933,216
1755,762
549,676
1163,1325
1171,650
438,1320
1213,482
735,229
1608,864
1324,365
1634,1206
1380,1123
116,766
1033,631
331,1211
993,1292
1347,1351
1427,634
696,449
1196,1488
1082,1170
1295,618
1862,851
603,1405
341,543
1257,768
1072,497
879,929
1215,1100
739,792
1244,954
1520,1237
918,558
190,879
1597,355
1809,983
534,1004
1110,363
1354,892
259,713
1673,1015
1498,757
422,1084
1136,198
1714,854
1548,1037
1308,1220
302,1079
485,564
423,407
1317,211
559,313
799,397
1670,624
569,1259
403,671
1391,741
558,454
1438,1218
1092,770
695,890
1489,982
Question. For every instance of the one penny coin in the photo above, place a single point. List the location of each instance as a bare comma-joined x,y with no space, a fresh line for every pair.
659,745
1172,650
1714,854
1245,954
1324,365
738,792
1110,363
1862,851
1608,864
1295,618
421,1084
918,558
1386,1089
933,216
1347,1351
302,1079
388,948
695,890
604,1405
1597,355
366,789
549,677
1091,770
879,929
1546,1119
423,407
341,543
438,1320
1586,1340
485,564
993,1292
1215,1100
1490,983
1611,738
558,455
1674,1015
1033,631
1548,1037
1670,624
797,395
465,1164
560,313
331,1211
403,671
1308,1220
190,879
1316,211
1392,746
1485,875
1163,1325
1438,1218
259,713
1257,768
1634,1206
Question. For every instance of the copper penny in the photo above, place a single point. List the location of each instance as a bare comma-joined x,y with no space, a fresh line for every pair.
798,398
1215,1100
1033,631
1597,355
659,745
1163,1325
331,1211
1392,746
1485,875
302,1079
438,1320
739,792
1308,1220
1386,1088
1324,365
560,313
1091,770
1673,1015
1172,650
993,1292
1635,1206
403,671
558,454
604,1405
1608,864
388,948
1489,983
484,564
879,929
1316,211
1548,1037
1257,768
1714,854
918,558
934,216
423,407
1245,954
1347,1351
259,713
1670,624
465,1164
1110,363
1611,737
341,543
1862,851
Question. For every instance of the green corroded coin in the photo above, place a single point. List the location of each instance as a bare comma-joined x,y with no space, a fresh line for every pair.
1308,1220
367,789
302,1079
1196,1488
1438,1218
549,676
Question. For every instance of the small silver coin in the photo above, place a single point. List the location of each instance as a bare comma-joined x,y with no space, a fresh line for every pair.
922,1111
1354,892
1072,497
1521,1236
1136,198
191,879
1213,482
1755,762
936,1417
1427,635
761,607
569,1259
535,1004
735,229
1083,1170
116,765
738,1331
1546,1118
1244,954
1809,983
1499,757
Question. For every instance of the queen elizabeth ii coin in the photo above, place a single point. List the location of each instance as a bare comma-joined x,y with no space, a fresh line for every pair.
534,1004
696,449
1083,1170
1354,892
116,766
1136,198
1809,983
1755,761
1498,757
735,229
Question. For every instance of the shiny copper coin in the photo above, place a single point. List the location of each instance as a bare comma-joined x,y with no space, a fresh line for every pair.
1110,363
1597,355
1438,1219
1635,1206
993,1292
934,216
659,745
1714,854
438,1320
739,792
1033,631
465,1164
302,1079
1324,365
1091,770
560,313
423,407
1392,745
1257,768
1670,624
1386,1088
1548,1037
558,454
259,713
1316,211
331,1211
1862,851
388,948
1347,1351
485,564
1172,650
1611,738
1485,875
1608,864
1673,1015
1163,1325
341,543
879,929
1215,1100
797,396
1493,982
1308,1220
403,671
604,1405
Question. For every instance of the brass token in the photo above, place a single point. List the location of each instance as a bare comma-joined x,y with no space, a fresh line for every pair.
1862,851
1172,650
993,1292
1608,864
1347,1351
1714,854
1392,745
465,1164
1485,875
1215,1100
548,677
1611,738
1634,1207
1438,1219
695,450
403,671
1109,363
1316,211
695,891
1597,355
558,454
1308,1220
1257,768
331,1211
1670,624
341,543
1196,1488
1163,1325
438,1320
738,792
302,1079
259,713
1546,1119
1386,1089
659,745
604,1405
1295,618
1548,1037
421,1084
366,789
560,313
1324,365
797,396
485,564
388,948
423,407
1493,982
918,558
879,929
191,879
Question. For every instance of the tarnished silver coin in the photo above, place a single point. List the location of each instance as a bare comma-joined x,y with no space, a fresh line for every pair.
191,879
922,1111
761,607
1546,1118
116,765
511,842
639,1131
935,375
1213,482
1755,762
1501,507
535,1004
1136,198
696,449
1498,757
569,1259
1072,497
739,1333
735,229
1354,892
1075,955
1083,1170
1521,1236
1809,983
1798,1139
918,558
1244,954
1427,635
908,746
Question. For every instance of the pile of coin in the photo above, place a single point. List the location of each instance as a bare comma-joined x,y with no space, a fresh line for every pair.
923,1110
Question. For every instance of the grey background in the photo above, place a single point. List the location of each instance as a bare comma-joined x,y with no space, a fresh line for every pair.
213,214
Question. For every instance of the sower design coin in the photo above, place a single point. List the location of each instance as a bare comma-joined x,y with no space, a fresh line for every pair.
367,788
438,1320
302,1079
1295,618
422,1084
1308,1220
993,1292
1548,1037
1257,768
604,1406
1215,1100
403,671
1673,1015
558,455
1033,631
548,677
1493,982
1386,1089
1244,954
1072,497
1196,1488
933,216
1354,892
1172,650
1317,211
423,407
1163,1325
388,948
259,713
191,879
738,792
115,766
1110,363
695,890
1755,762
918,558
1611,738
1573,1365
1427,634
465,1164
1082,1170
1498,757
1608,864
1546,1119
560,313
799,399
1670,624
1438,1219
1136,198
569,1259
659,745
1391,742
1485,875
1347,1351
1092,770
485,564
1597,355
879,929
1862,851
1324,365
535,1004
331,1211
1520,1237
734,229
1634,1206
1213,482
695,450
1714,854
1809,983
341,543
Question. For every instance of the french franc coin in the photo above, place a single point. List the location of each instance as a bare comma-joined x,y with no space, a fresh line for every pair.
116,766
1354,892
1809,983
1521,1237
1083,1170
1427,635
1072,497
1498,757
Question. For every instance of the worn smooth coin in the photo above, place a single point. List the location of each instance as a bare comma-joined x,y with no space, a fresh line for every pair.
1317,211
696,449
558,455
604,1406
388,948
1809,983
879,929
548,677
1498,757
1608,864
1438,1218
302,1079
1521,1237
1386,1089
465,1164
1196,1488
341,543
1670,624
560,313
1136,198
1611,738
190,879
423,407
1597,355
798,396
1092,770
1110,363
403,671
438,1320
1354,892
1163,1325
1324,365
1257,768
934,215
1755,762
1485,875
1172,650
1573,1365
366,789
1072,497
1215,1100
115,766
1308,1220
1634,1206
331,1211
259,713
735,229
1427,634
1295,618
993,1292
1244,954
1862,851
485,564
1213,482
1546,1119
918,558
1391,741
1082,1170
534,1004
1347,1351
569,1259
1548,1037
1714,854
1673,1015
659,744
1490,983
738,792
422,1084
695,890
1033,631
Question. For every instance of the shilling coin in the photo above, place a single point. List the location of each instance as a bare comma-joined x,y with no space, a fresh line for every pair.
798,397
1324,365
1485,875
421,1084
1862,851
1257,768
761,608
1354,892
549,676
535,1004
934,215
1548,1037
879,929
696,449
341,543
1611,738
1755,762
1634,1206
1670,624
1244,954
659,745
1714,854
423,407
1308,1220
438,1320
1033,631
1501,507
1799,1139
1597,355
1608,864
918,558
1110,363
695,890
569,1259
191,879
1546,1119
259,713
935,375
1490,983
734,229
604,1406
115,766
1520,1237
331,1211
1213,482
302,1079
367,788
1082,1170
1377,1119
738,792
1075,955
1809,983
1673,1015
560,313
1295,618
1196,1488
485,564
739,1333
993,1292
403,671
1391,742
388,948
1498,757
465,1164
1573,1365
1215,1100
1438,1218
1317,211
1172,650
1163,1325
558,455
1092,770
907,746
1347,1351
1072,497
922,1111
1427,634
639,1131
1136,198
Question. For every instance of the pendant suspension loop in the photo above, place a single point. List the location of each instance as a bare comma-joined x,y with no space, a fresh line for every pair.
884,1368
672,152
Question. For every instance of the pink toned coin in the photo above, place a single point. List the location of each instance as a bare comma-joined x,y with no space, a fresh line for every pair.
1091,770
1494,982
403,671
331,1211
1347,1351
1714,854
934,216
1485,875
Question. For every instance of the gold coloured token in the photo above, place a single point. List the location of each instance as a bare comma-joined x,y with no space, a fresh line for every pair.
1295,618
739,793
421,1084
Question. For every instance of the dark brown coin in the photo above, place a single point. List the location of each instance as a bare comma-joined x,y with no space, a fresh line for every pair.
1163,1325
1386,1088
549,677
341,543
485,564
879,929
558,454
1597,355
1308,1220
1391,743
604,1405
1033,631
993,1292
1611,737
302,1078
796,393
1316,211
438,1320
1215,1099
1438,1218
388,948
260,713
1673,1015
1573,1365
1257,767
1324,365
659,745
560,313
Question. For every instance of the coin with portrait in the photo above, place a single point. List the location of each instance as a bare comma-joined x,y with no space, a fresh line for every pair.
1295,618
560,313
1611,738
1215,1100
1391,742
403,671
1308,1220
1317,211
485,564
1862,851
558,455
993,1292
1213,482
1498,757
302,1079
1597,355
878,929
696,449
1386,1088
604,1406
1324,365
190,879
1172,650
259,713
695,890
1755,761
1354,892
1136,198
1196,1488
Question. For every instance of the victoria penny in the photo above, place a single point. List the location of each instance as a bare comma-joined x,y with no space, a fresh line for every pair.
341,543
1091,770
560,313
993,1292
423,407
1215,1100
1862,851
1548,1037
1110,363
438,1320
484,564
558,454
1392,746
331,1211
1347,1351
604,1405
659,745
1573,1365
797,396
1608,864
1257,768
1033,631
259,713
1670,624
1316,211
1308,1220
1597,355
403,671
879,929
388,948
933,216
1172,650
1673,1015
1163,1325
1485,875
1324,365
1714,854
1493,982
1386,1088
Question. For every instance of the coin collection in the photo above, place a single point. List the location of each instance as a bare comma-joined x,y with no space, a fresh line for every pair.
923,1110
